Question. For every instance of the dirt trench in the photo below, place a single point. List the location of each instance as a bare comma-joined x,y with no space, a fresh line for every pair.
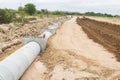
106,34
71,55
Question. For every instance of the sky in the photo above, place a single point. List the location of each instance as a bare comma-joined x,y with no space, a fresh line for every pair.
102,6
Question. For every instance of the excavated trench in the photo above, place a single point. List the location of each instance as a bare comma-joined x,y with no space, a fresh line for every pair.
106,34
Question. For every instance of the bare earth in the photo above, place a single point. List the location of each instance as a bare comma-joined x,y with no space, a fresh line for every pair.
104,33
71,55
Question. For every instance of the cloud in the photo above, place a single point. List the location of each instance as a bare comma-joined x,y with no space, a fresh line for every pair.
53,1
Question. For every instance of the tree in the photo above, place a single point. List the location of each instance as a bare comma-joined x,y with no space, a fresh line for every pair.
30,8
44,11
6,16
58,13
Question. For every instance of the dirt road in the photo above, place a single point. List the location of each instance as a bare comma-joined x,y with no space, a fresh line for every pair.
71,55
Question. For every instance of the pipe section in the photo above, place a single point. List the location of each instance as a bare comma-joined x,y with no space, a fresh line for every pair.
13,67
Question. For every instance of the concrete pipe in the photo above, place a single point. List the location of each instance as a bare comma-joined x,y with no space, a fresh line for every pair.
46,35
14,66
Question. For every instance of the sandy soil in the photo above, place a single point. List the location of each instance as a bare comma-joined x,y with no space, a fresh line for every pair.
71,55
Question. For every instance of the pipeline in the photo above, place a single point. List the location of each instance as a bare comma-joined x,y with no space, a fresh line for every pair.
13,67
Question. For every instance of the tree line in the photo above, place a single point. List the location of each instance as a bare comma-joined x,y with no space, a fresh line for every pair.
9,15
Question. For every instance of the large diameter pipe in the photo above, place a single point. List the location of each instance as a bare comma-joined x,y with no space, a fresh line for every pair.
14,66
46,35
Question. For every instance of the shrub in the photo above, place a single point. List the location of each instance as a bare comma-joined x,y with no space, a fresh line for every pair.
6,16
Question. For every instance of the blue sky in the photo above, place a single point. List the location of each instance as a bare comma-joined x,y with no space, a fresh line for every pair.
103,6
